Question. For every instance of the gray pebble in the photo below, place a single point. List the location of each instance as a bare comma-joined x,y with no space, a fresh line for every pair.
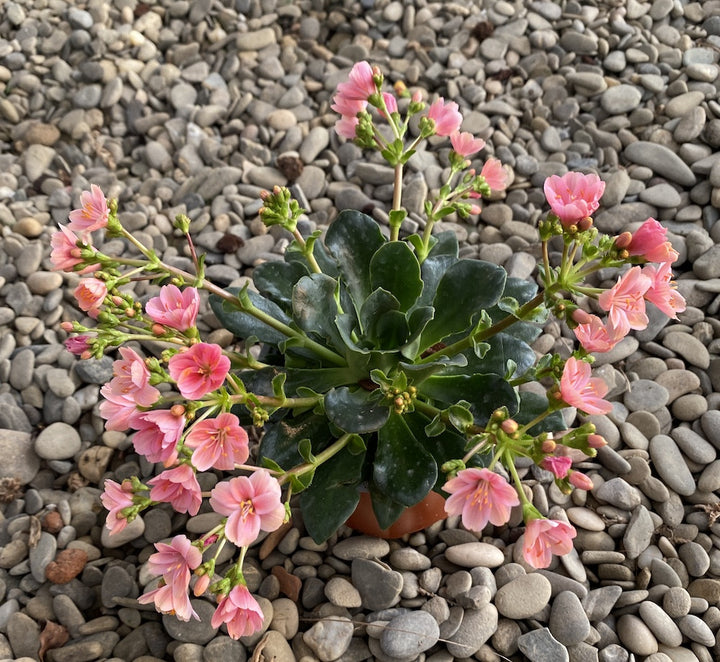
57,441
409,634
670,466
379,586
568,622
329,638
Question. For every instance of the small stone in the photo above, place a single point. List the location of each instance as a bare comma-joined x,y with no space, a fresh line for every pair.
58,441
342,593
477,626
94,461
474,554
636,636
524,596
661,160
541,646
619,493
689,348
670,466
329,638
41,555
409,634
568,622
378,585
620,99
193,632
68,563
19,458
638,533
660,623
696,629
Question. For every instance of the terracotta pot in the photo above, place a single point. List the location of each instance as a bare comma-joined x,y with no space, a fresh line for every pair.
415,518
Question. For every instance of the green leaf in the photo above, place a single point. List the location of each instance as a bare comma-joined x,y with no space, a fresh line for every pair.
485,393
435,427
531,406
355,411
333,495
294,253
320,380
374,308
503,348
353,238
396,217
395,268
305,450
466,288
315,308
243,324
386,510
402,468
460,417
521,291
278,383
281,438
418,373
391,330
418,319
356,445
275,280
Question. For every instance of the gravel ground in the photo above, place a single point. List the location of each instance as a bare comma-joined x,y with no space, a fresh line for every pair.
194,106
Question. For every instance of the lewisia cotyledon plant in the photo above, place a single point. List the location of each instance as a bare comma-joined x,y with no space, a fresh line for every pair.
369,361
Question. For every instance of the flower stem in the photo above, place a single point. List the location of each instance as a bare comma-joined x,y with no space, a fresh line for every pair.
307,253
323,456
516,479
397,201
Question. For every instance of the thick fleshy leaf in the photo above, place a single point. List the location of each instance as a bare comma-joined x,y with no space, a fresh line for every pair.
281,439
522,291
531,406
352,239
391,330
333,495
386,510
395,268
502,348
485,393
315,309
320,380
355,410
374,308
418,319
276,280
327,264
418,373
466,288
402,468
244,325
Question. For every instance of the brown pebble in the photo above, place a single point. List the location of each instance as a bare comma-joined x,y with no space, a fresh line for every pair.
52,522
68,564
272,540
290,585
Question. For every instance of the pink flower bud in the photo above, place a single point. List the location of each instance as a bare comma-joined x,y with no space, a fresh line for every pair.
596,441
581,317
623,240
201,585
580,480
66,326
416,96
177,410
548,446
509,426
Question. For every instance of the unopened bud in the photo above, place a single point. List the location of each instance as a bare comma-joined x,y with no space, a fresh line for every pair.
509,426
76,252
158,329
580,480
585,224
66,326
177,410
581,316
623,240
201,585
623,255
117,300
596,441
86,355
130,312
548,446
264,195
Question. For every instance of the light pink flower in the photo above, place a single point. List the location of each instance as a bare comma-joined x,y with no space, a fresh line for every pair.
494,175
116,409
77,344
115,498
90,294
558,465
625,302
360,84
545,537
198,370
93,214
580,390
346,127
174,562
252,504
219,443
179,487
580,480
132,379
158,432
650,241
65,253
446,116
662,291
240,612
174,308
573,196
480,496
390,102
465,144
595,336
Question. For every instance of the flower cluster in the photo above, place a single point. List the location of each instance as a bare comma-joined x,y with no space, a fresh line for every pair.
385,349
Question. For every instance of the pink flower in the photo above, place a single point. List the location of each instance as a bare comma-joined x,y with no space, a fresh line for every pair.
90,294
158,432
132,379
240,612
360,84
115,498
446,116
178,487
625,302
218,442
346,127
465,144
595,336
65,253
252,504
116,409
649,241
93,214
174,308
77,344
573,196
174,562
480,496
390,102
558,465
494,175
545,537
662,290
580,480
199,370
578,389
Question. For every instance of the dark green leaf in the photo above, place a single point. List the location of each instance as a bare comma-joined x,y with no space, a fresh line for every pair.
332,496
275,280
395,268
402,468
305,450
386,510
353,238
278,383
420,372
244,325
294,254
521,291
281,438
504,348
320,380
355,411
418,319
485,393
374,308
460,417
531,406
315,308
391,330
466,288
